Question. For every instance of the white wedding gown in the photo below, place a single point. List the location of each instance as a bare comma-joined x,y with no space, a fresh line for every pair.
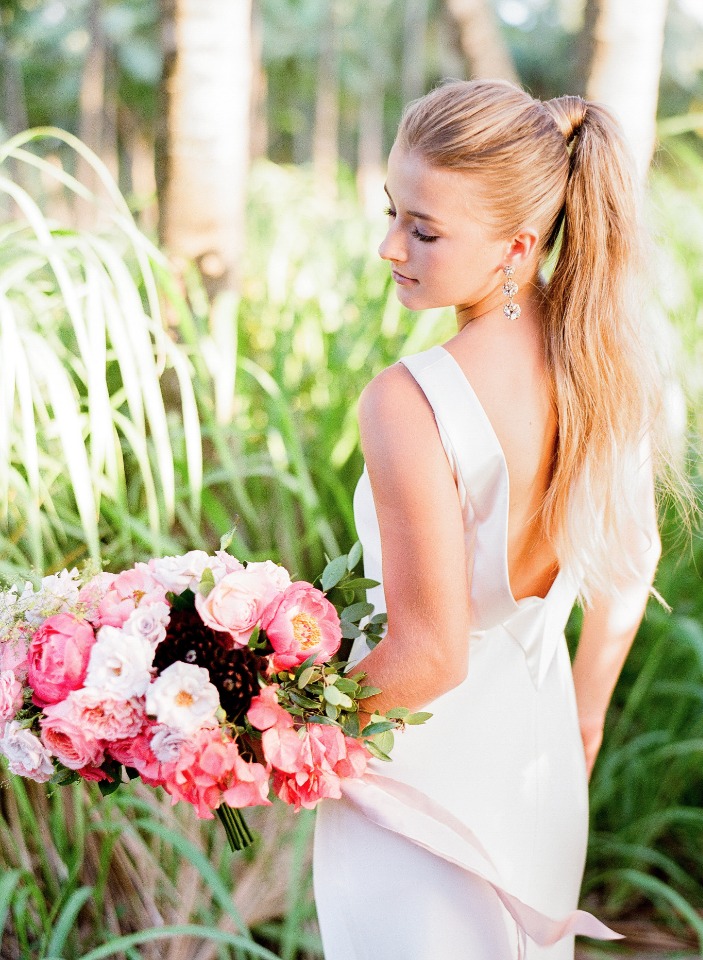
470,844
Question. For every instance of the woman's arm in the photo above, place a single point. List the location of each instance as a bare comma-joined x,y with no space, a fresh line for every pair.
425,651
610,624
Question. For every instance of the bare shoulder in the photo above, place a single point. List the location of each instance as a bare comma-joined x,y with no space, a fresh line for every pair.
394,414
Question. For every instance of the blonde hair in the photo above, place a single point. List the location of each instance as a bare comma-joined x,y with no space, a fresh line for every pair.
563,168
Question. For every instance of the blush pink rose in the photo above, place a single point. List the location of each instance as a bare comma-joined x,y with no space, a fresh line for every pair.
10,695
129,590
236,603
105,717
326,757
63,736
13,652
58,657
299,623
92,592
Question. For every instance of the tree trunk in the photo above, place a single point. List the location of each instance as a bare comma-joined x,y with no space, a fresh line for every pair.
481,39
370,160
204,154
624,66
259,86
325,147
414,53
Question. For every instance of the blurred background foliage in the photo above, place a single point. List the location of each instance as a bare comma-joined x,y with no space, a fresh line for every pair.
190,305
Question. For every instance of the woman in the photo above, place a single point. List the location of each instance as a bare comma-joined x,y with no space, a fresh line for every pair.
507,474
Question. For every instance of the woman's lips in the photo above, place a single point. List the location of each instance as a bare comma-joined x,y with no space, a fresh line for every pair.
399,278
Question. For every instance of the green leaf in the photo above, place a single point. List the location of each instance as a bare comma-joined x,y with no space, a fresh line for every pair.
331,711
378,727
227,538
114,770
350,631
333,573
356,611
384,741
397,713
300,670
302,701
325,721
350,725
347,686
375,751
360,583
63,777
372,640
347,595
207,582
416,718
335,697
367,692
379,618
305,677
354,556
253,641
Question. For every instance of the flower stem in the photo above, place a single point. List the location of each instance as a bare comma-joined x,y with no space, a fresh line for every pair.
239,836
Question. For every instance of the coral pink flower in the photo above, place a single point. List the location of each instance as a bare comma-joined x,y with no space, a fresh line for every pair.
58,657
136,752
210,771
265,711
10,695
236,603
94,774
129,590
105,717
64,737
326,757
299,623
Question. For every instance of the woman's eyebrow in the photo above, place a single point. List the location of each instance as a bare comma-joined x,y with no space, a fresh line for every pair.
416,213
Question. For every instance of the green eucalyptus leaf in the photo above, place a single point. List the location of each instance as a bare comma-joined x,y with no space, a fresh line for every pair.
302,701
375,751
350,725
356,611
379,618
416,718
384,741
300,670
333,573
227,538
325,721
347,595
380,726
331,711
305,677
335,697
354,556
361,583
397,713
372,640
367,692
207,582
350,631
347,686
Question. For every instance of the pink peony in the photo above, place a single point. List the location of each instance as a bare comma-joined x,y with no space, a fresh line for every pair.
236,603
265,711
65,738
129,590
58,657
10,695
299,623
326,757
210,770
26,755
105,717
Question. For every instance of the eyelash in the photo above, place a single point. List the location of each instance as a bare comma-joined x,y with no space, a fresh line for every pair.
422,237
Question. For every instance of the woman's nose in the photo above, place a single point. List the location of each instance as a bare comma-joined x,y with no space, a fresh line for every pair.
392,247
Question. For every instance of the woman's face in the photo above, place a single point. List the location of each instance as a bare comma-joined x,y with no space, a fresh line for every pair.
440,249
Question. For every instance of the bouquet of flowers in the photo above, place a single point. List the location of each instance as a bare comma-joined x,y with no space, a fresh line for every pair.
209,677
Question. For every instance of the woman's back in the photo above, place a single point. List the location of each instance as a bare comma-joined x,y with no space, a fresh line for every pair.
509,377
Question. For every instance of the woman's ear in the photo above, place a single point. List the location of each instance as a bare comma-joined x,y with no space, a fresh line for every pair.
522,247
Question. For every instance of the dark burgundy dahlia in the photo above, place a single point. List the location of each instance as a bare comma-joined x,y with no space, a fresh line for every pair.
234,671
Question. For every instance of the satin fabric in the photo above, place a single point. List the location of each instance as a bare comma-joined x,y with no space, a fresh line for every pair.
471,843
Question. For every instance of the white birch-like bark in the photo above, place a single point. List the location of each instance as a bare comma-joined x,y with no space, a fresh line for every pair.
207,89
481,39
625,66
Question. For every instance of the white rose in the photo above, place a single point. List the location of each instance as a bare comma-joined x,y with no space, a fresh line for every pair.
149,622
177,574
182,697
119,664
26,754
166,744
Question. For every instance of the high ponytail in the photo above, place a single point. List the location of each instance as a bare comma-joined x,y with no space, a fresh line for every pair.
563,168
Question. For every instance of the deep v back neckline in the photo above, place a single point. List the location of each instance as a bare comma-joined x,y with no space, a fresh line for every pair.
505,507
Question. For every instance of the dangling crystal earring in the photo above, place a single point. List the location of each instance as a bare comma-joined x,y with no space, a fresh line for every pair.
510,288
